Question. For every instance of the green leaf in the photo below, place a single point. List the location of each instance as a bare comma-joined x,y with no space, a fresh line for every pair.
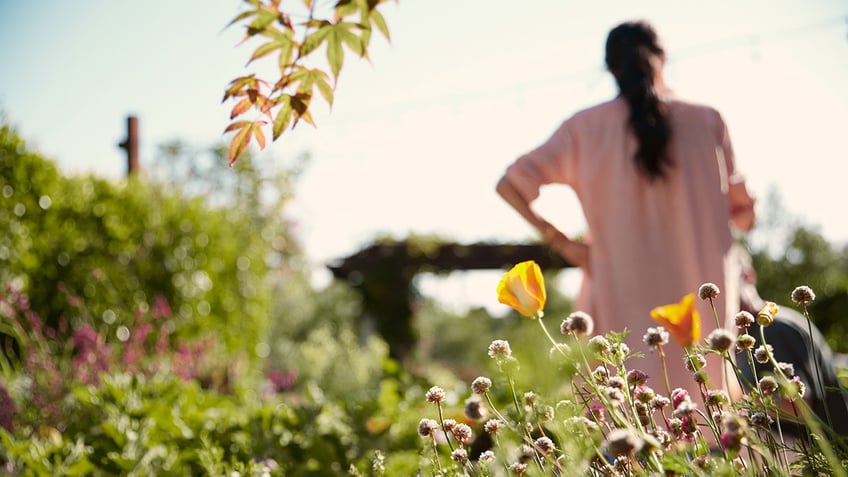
237,86
300,103
346,8
284,117
378,21
352,40
314,40
325,88
263,19
279,41
240,16
335,56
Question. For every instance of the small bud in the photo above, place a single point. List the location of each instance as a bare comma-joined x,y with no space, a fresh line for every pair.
499,349
486,457
481,385
762,353
462,433
599,344
803,295
474,409
460,456
745,342
449,424
716,397
636,377
544,445
720,340
708,291
744,320
578,324
695,362
493,425
623,442
426,427
435,395
656,337
767,385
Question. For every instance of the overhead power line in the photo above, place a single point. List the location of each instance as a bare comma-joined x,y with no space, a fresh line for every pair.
594,74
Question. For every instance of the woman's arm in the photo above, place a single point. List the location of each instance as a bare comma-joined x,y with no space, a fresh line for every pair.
575,253
741,203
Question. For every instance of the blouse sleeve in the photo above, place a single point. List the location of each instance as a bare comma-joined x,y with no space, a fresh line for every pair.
550,163
740,202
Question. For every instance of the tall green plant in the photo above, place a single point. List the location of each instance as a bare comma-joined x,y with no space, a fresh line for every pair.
114,246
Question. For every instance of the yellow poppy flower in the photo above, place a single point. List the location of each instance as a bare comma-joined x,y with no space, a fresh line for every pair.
523,288
681,320
765,316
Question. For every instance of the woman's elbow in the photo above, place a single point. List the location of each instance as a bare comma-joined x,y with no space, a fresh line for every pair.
743,218
503,187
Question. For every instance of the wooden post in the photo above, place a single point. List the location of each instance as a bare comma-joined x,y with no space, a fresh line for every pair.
130,144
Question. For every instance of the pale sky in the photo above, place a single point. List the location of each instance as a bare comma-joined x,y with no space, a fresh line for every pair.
418,137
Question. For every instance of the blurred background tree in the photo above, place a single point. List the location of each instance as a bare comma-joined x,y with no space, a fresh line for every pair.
116,247
788,252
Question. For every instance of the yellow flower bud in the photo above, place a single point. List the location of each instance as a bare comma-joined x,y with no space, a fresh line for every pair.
523,288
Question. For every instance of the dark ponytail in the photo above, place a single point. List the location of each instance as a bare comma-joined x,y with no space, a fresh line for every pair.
629,50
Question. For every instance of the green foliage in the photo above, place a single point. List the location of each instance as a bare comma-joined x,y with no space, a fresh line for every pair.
165,426
87,250
797,254
294,36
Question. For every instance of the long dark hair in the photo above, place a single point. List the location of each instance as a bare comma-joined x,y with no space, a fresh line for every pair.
629,50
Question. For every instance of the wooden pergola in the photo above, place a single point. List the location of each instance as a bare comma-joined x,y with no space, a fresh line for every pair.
383,274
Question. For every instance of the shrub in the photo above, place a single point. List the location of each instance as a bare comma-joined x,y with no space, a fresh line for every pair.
117,246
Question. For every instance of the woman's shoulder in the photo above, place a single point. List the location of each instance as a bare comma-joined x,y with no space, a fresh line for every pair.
602,111
691,107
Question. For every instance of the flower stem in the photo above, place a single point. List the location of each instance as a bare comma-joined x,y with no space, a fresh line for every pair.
664,368
815,356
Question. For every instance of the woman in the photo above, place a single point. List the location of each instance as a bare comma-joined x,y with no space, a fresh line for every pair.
656,178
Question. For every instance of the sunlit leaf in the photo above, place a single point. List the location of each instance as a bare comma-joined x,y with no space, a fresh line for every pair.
325,89
378,21
262,20
241,107
286,54
307,116
335,55
284,117
314,40
241,16
279,41
240,142
300,103
352,40
365,40
236,125
258,134
237,86
346,7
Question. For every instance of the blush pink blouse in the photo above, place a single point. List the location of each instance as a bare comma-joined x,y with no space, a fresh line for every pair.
650,242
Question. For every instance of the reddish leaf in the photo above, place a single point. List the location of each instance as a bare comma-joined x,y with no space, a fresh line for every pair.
236,125
240,142
241,107
258,134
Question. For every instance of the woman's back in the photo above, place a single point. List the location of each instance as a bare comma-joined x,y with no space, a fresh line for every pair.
658,184
650,241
